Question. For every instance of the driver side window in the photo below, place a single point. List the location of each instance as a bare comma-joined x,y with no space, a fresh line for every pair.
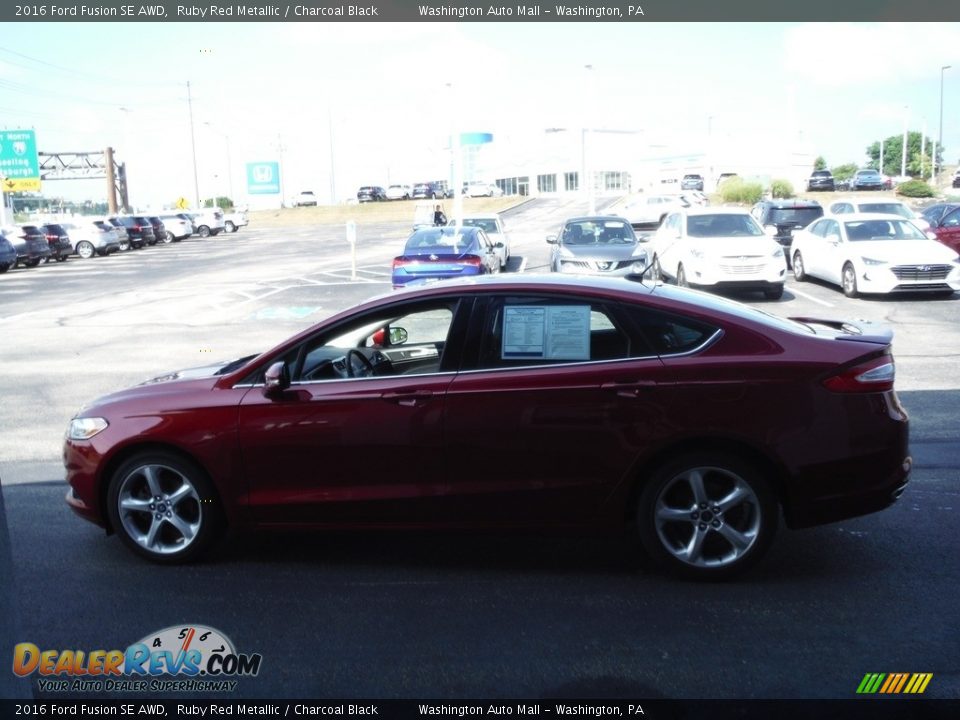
406,341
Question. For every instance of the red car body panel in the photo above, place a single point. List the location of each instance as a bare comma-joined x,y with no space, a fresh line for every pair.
565,444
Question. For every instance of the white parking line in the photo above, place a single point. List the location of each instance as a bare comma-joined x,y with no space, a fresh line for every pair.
810,297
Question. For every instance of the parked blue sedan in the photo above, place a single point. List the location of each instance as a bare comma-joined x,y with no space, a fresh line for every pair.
8,253
441,253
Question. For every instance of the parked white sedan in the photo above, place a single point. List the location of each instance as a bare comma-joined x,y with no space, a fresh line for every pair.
874,253
492,225
718,248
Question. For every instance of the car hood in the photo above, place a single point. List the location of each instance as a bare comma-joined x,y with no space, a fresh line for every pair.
907,252
602,252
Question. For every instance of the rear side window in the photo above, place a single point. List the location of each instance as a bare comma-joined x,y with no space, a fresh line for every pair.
659,333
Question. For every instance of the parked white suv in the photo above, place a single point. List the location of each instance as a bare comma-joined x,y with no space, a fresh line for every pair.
209,221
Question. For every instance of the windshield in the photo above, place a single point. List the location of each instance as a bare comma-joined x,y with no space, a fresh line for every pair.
598,231
860,230
488,225
722,225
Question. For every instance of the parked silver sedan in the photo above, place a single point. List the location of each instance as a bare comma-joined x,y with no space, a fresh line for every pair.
597,245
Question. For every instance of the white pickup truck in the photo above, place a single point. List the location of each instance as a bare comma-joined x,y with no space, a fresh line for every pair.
208,221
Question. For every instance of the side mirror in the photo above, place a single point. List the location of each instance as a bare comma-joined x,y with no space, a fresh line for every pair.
398,336
552,239
498,245
276,379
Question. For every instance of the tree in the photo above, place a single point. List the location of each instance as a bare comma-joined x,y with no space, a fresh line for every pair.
819,163
845,172
893,154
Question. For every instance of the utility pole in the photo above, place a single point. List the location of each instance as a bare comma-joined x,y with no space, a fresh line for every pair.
193,147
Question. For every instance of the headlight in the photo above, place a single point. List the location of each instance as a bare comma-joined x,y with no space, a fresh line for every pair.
85,428
871,261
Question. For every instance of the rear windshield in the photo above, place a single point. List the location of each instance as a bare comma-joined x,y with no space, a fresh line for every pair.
888,208
722,225
794,216
439,241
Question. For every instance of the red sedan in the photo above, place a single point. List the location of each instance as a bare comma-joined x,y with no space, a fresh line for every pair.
496,403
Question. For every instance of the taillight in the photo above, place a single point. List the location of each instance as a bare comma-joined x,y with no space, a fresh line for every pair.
875,375
471,260
400,262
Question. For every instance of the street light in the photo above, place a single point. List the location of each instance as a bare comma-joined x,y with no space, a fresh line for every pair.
940,138
193,147
229,163
591,199
903,159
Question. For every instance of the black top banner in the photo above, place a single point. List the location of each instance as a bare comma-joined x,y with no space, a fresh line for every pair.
474,11
513,709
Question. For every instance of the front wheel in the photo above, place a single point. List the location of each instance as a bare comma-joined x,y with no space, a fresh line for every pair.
168,237
230,227
85,249
848,280
706,515
163,507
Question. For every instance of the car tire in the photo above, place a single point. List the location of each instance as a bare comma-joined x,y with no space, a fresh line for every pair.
124,245
32,263
168,237
848,280
774,293
4,268
203,231
164,507
799,271
85,249
706,515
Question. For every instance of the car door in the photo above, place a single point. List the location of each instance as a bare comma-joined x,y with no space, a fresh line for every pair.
336,450
948,231
548,414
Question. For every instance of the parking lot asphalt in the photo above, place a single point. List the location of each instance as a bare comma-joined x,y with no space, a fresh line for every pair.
439,616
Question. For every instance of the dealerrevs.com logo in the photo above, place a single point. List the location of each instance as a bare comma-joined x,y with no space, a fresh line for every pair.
204,656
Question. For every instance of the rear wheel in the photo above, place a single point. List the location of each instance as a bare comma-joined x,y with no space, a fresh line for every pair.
707,515
164,507
848,280
168,237
124,245
32,263
85,249
203,231
230,227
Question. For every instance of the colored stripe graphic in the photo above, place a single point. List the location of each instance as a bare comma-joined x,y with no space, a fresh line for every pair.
894,683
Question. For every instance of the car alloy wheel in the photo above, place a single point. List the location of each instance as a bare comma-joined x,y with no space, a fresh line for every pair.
230,227
85,249
707,515
848,280
799,273
163,507
168,237
203,231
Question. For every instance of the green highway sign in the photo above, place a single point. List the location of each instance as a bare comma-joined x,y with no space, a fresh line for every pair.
18,155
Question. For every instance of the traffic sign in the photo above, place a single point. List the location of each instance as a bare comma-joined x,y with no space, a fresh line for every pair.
20,184
18,156
263,178
183,203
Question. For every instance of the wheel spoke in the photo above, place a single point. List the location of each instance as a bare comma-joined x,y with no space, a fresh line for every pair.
150,538
740,541
188,530
150,474
181,493
692,552
738,495
667,514
132,504
695,481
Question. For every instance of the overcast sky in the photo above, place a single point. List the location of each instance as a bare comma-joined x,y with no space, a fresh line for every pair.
382,91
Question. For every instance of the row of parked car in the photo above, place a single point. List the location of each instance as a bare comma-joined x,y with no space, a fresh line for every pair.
31,244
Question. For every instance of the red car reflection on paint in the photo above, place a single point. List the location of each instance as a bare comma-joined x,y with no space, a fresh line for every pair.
530,401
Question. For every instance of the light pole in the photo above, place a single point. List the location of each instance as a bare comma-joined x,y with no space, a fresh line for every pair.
587,174
903,159
193,148
939,147
229,162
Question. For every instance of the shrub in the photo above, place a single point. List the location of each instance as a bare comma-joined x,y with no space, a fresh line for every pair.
782,189
915,189
737,190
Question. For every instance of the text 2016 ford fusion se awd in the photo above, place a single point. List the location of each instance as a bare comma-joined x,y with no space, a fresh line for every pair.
554,402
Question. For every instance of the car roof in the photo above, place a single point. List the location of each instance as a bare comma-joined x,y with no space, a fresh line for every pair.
859,216
696,211
595,218
792,203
